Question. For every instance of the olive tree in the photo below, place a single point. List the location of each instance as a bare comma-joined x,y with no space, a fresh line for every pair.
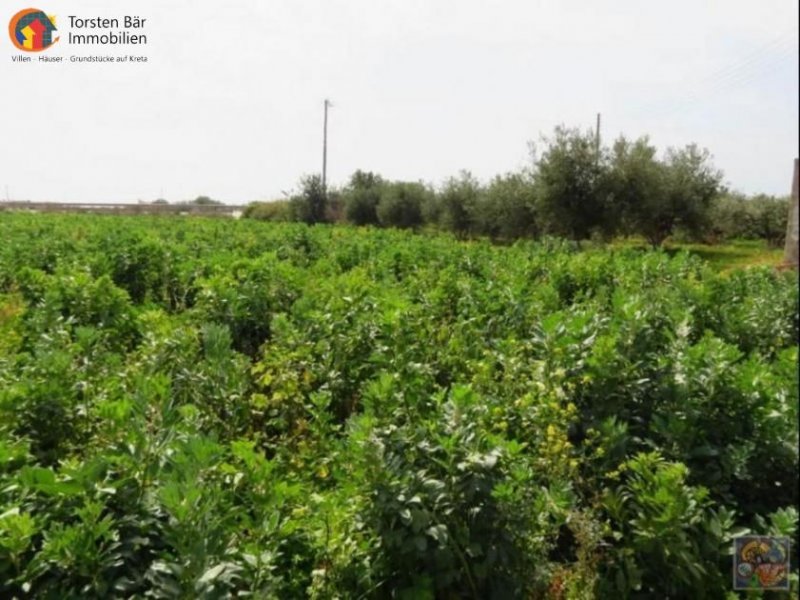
570,184
361,197
310,204
653,197
458,201
637,187
691,183
401,204
507,209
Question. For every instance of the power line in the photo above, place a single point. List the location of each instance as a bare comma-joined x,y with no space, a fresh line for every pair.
759,69
731,80
745,69
753,57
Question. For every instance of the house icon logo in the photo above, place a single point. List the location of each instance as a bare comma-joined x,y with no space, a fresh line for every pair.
31,30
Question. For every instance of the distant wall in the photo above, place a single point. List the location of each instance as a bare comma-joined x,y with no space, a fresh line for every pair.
222,210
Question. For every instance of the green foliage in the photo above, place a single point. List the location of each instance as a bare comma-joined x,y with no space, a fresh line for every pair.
570,181
734,216
675,541
361,198
507,210
576,188
654,197
458,203
246,296
637,186
401,204
691,183
310,205
136,264
192,408
278,211
454,506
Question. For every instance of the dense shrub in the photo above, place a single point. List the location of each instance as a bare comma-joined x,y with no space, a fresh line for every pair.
285,411
310,204
734,216
507,209
268,211
570,184
576,187
458,204
361,198
401,204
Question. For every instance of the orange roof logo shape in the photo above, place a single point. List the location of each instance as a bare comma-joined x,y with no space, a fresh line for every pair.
31,30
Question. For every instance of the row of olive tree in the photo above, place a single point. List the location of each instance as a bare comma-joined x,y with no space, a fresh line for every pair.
735,216
578,188
575,188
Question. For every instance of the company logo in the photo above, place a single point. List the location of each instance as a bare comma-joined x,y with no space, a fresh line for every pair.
31,30
761,563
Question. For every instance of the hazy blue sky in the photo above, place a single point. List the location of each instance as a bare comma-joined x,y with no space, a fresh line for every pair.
230,102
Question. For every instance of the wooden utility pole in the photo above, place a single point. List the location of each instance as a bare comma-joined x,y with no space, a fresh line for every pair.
325,149
790,253
597,135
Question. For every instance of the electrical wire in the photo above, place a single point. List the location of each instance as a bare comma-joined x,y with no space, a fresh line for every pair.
755,64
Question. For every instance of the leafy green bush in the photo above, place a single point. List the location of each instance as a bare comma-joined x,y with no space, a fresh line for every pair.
401,205
231,409
246,297
458,204
277,210
673,542
508,209
310,204
361,198
760,217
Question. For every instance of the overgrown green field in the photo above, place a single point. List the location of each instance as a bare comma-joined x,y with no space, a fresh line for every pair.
736,254
723,257
213,409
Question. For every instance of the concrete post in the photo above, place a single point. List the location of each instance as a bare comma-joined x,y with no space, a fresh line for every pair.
790,254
